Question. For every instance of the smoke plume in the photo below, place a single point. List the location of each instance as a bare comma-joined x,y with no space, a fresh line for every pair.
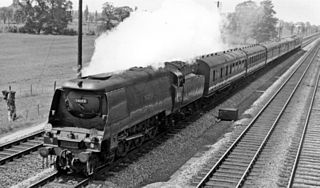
178,30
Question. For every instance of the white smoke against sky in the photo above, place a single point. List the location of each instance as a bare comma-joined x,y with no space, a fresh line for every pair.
178,30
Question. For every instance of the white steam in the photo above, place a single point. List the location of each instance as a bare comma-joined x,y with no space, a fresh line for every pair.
179,30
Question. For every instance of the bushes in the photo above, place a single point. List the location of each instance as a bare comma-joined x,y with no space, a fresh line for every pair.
23,29
69,32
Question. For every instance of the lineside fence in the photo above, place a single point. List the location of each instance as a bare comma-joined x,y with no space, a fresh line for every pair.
32,102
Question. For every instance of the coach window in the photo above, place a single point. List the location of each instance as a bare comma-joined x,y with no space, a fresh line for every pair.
221,72
213,75
231,67
227,70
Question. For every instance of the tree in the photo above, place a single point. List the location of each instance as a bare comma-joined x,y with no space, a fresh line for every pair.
265,29
86,14
19,16
6,14
112,16
49,16
242,21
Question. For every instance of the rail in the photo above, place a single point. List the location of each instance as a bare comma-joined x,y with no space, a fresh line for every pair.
306,124
20,147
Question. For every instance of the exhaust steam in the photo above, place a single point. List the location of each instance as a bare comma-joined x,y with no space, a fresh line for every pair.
178,30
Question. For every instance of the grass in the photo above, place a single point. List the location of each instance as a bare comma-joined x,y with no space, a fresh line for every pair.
37,60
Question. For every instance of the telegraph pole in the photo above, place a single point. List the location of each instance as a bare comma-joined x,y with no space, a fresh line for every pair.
79,40
219,5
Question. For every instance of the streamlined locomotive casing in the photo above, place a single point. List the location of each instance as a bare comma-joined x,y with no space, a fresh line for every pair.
147,94
90,115
131,97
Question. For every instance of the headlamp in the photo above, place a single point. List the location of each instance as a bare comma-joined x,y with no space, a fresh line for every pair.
48,127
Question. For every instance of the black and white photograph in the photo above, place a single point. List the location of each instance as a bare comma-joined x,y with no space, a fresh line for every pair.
159,93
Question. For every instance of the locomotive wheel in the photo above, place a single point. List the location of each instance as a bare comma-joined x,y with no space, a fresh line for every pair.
111,157
138,141
123,149
59,165
153,132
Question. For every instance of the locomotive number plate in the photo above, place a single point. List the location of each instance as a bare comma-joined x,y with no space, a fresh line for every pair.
81,101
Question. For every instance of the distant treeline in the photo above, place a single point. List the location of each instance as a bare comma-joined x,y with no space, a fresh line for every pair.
252,23
54,17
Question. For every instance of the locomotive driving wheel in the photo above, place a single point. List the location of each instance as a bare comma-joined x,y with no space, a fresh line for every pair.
153,132
138,141
61,163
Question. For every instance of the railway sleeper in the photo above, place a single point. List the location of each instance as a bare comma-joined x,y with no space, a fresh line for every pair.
309,182
226,175
229,171
236,163
229,181
311,174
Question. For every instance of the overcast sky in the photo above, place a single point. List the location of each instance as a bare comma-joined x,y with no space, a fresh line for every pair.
287,10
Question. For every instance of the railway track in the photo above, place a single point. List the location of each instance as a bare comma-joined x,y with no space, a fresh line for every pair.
18,148
306,164
238,161
58,180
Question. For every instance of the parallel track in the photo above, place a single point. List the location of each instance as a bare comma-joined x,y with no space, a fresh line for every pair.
58,180
235,164
306,166
20,147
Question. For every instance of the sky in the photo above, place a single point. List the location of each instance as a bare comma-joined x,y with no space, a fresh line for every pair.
287,10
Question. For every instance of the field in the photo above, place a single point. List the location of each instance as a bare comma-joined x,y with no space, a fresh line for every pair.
31,64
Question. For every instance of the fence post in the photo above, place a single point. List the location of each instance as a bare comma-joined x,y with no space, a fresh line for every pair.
31,89
38,109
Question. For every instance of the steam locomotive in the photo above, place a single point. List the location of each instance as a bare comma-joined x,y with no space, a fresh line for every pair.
94,119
